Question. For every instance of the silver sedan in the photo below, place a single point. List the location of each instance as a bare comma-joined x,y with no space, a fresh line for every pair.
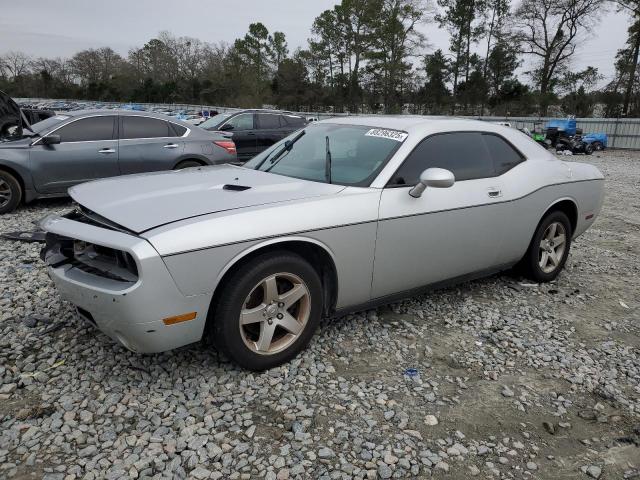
344,215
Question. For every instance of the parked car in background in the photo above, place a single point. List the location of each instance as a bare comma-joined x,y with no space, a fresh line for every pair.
255,130
343,215
48,157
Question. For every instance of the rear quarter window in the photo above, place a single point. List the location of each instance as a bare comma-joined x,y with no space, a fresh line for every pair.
177,130
504,156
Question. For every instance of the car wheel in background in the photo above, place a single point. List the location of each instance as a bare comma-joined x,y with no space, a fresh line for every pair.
10,192
588,149
188,164
598,146
549,248
267,311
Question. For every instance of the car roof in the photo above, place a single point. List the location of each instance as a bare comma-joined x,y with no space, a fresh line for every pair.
135,113
416,123
264,110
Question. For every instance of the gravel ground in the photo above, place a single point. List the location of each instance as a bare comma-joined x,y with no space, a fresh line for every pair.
511,380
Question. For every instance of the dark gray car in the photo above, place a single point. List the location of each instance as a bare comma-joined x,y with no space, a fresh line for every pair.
45,159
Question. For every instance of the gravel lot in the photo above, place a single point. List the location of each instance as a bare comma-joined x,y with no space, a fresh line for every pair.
512,380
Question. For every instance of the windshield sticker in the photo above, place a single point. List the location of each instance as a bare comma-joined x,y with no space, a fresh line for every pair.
390,134
60,117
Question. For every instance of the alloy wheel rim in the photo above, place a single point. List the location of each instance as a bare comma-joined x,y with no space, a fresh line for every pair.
275,313
5,193
552,247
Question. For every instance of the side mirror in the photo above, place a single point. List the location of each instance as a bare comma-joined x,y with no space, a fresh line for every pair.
435,178
226,127
50,140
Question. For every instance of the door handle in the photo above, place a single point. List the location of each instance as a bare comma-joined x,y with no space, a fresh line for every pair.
107,150
170,145
494,193
251,134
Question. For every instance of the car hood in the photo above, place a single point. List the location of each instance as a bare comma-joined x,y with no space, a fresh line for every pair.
10,115
142,202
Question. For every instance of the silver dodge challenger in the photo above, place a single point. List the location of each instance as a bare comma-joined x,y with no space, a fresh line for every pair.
341,216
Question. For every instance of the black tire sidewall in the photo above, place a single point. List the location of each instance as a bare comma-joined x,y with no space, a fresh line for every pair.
533,267
187,164
16,192
226,330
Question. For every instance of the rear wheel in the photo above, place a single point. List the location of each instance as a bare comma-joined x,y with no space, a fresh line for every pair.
10,192
268,310
598,146
588,149
549,248
188,164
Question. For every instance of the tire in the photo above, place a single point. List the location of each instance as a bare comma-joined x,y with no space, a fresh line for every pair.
188,164
247,291
598,146
10,192
535,255
588,149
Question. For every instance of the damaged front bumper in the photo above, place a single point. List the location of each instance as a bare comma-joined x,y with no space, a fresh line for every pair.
119,283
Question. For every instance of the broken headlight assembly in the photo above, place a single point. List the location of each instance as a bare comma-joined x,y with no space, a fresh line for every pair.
90,258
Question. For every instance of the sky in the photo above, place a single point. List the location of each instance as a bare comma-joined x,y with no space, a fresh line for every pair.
63,27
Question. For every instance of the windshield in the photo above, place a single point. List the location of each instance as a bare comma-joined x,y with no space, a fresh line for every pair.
356,153
215,121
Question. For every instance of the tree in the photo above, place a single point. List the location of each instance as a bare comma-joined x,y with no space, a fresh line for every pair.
501,66
458,18
396,38
278,47
290,84
254,50
435,92
15,64
627,62
549,30
578,87
473,91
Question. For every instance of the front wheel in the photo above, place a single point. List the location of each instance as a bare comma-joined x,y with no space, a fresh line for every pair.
549,248
268,310
10,192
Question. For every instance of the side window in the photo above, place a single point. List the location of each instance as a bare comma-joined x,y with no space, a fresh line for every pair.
143,127
292,121
87,130
268,121
463,153
243,121
177,130
505,157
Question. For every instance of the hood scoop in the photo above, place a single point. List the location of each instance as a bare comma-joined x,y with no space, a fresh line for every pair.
235,188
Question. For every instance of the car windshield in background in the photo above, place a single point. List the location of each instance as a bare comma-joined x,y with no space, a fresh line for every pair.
48,124
357,153
216,120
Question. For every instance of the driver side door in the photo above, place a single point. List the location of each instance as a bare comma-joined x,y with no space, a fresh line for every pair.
447,233
88,150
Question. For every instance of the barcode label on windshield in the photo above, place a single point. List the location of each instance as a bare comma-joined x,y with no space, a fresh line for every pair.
390,134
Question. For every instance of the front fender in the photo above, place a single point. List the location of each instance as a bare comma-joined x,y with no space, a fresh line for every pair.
20,170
